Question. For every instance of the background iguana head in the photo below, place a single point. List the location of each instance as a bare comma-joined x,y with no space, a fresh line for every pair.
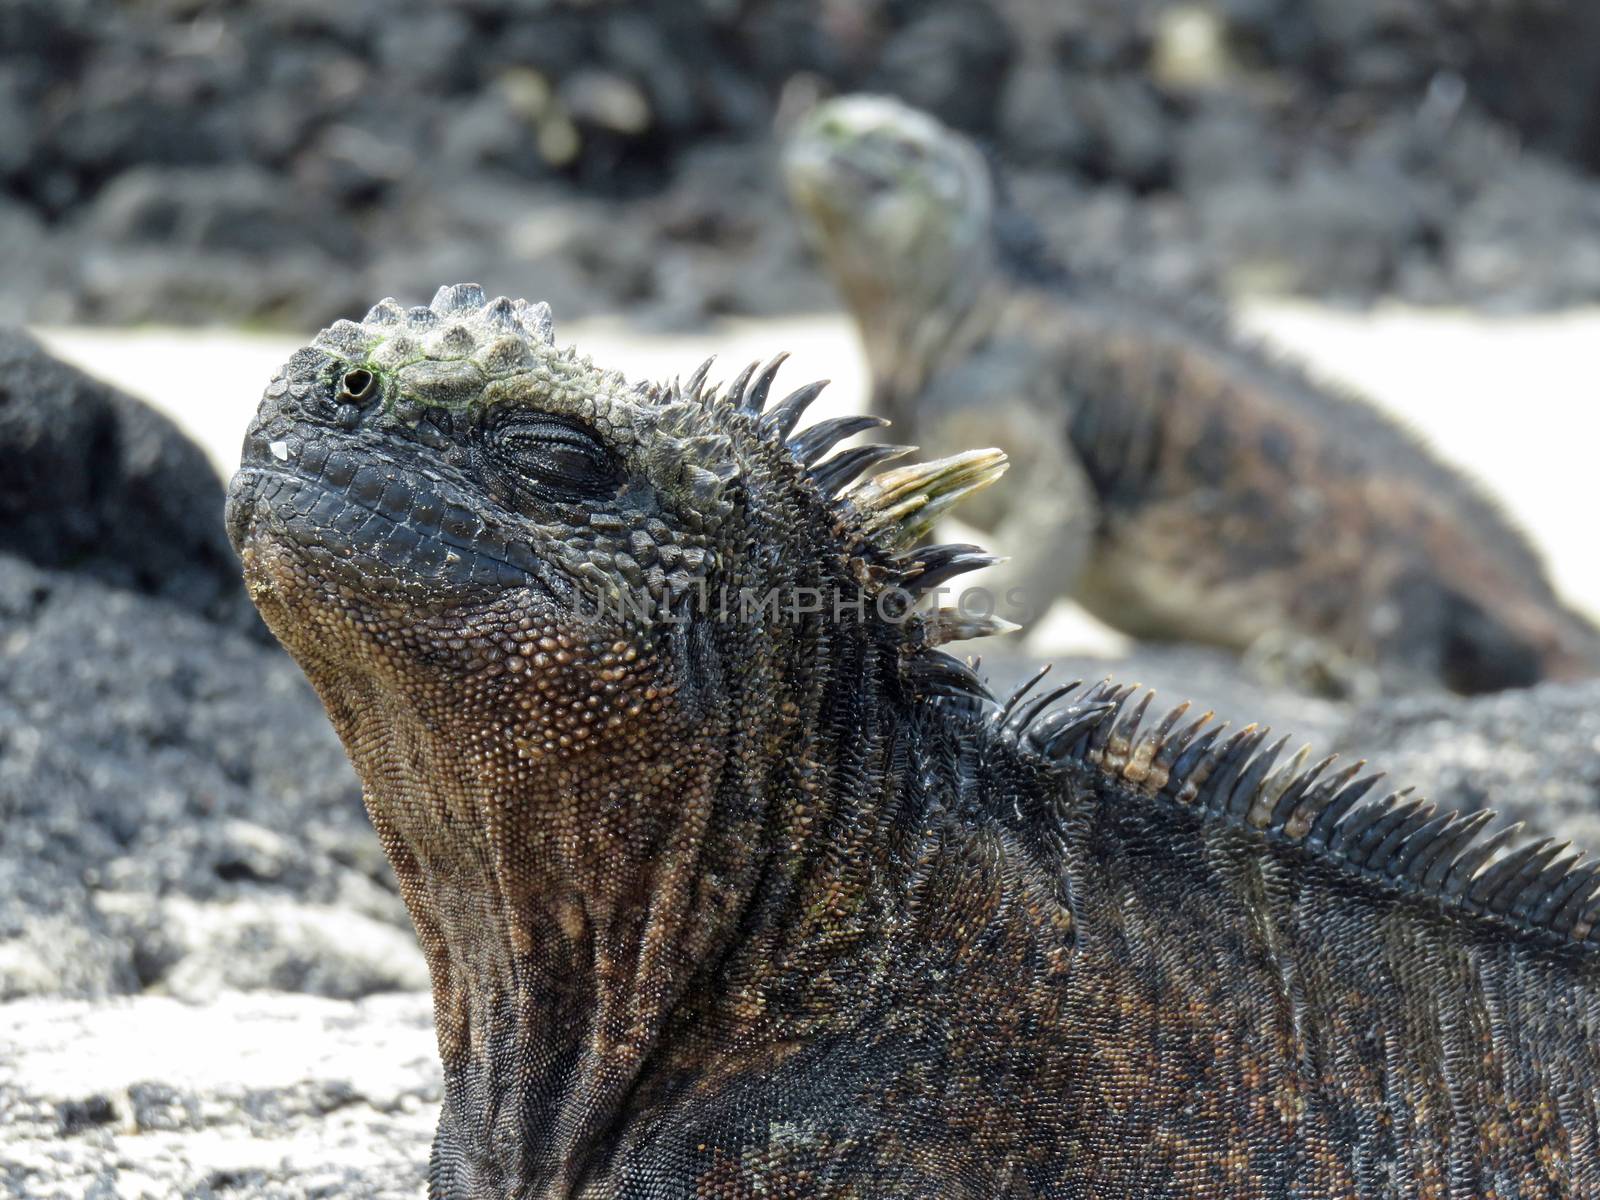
901,210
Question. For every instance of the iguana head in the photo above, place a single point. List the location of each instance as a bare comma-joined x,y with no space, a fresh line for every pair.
900,208
450,466
886,190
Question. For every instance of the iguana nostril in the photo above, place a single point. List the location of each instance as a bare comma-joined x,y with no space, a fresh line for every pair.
357,386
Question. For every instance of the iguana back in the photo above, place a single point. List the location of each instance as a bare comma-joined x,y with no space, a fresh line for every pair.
1149,969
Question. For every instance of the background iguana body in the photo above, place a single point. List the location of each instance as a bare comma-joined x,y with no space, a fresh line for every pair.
1176,480
779,902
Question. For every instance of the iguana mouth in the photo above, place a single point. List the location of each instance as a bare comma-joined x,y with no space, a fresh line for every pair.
362,529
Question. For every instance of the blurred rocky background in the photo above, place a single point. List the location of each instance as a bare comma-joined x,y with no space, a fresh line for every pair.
284,162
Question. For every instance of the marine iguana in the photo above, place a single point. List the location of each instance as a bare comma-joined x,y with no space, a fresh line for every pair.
1179,481
775,899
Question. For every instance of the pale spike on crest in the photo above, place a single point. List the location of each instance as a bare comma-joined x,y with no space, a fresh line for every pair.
946,625
537,320
899,507
453,298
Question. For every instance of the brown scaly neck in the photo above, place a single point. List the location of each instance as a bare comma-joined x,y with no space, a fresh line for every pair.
565,903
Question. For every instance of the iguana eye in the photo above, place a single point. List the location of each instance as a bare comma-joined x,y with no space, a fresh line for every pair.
548,458
356,386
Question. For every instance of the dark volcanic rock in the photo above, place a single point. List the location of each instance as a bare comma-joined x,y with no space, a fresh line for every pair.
98,484
1533,755
177,813
949,57
284,162
1533,63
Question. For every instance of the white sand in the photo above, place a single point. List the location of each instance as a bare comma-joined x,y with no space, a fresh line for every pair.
1512,400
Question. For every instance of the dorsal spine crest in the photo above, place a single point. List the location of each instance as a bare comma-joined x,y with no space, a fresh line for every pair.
1540,888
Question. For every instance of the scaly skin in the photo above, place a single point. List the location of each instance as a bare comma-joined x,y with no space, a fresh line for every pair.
1179,482
779,902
